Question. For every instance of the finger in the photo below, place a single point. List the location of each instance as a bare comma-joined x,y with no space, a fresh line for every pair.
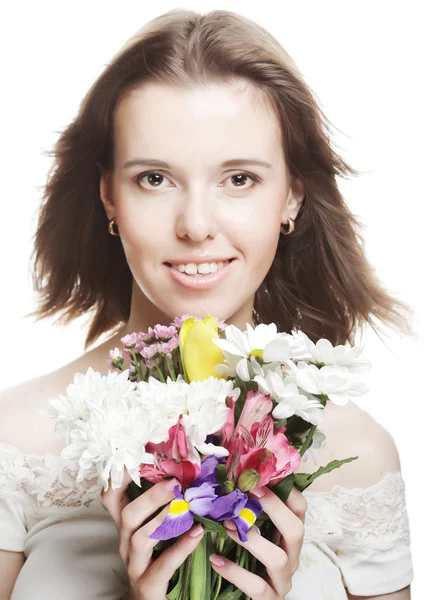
251,584
136,512
297,503
137,555
115,500
287,518
158,575
273,557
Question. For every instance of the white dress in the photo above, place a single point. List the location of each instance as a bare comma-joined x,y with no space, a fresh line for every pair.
357,538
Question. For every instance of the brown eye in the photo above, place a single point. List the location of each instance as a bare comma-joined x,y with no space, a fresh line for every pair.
241,178
154,179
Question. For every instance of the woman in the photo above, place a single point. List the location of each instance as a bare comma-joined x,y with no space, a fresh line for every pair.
200,147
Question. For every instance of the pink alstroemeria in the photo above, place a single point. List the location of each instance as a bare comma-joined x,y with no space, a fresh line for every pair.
172,459
256,445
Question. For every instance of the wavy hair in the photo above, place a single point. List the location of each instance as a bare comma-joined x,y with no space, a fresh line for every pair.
320,280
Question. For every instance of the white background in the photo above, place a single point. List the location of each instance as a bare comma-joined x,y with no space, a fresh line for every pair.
374,68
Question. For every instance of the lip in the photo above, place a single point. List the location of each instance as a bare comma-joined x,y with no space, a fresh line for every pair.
198,260
202,283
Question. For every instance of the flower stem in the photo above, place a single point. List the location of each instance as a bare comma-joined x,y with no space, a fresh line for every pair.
160,373
217,581
171,368
307,443
200,574
137,364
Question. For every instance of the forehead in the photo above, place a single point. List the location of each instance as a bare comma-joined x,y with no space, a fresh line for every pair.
171,120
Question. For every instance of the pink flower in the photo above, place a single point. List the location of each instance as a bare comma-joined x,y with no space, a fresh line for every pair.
177,321
256,445
164,332
228,428
130,339
172,459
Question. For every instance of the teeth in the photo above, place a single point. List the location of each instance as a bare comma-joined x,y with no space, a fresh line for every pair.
203,269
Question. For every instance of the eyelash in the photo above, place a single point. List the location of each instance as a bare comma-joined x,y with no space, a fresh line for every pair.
138,178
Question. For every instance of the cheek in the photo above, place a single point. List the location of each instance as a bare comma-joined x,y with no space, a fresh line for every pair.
141,236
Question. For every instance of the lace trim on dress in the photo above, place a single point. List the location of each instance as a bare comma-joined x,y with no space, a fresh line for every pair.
50,480
376,514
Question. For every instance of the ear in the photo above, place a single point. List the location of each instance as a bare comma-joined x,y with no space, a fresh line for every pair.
106,193
294,200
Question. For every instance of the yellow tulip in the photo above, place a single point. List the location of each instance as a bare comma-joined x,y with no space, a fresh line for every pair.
198,353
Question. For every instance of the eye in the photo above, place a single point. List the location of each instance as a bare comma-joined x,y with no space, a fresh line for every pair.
155,179
241,177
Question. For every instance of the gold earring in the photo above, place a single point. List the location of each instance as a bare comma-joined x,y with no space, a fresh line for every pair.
290,229
111,230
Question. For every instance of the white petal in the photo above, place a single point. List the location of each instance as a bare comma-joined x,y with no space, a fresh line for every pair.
307,379
262,383
326,351
229,346
256,367
277,350
224,370
242,370
208,449
339,399
283,410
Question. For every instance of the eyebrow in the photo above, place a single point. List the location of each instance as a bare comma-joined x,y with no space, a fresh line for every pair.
153,162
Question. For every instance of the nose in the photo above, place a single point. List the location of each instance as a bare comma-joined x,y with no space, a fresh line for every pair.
196,219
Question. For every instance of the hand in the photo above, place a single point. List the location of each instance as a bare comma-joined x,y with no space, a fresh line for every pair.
149,578
280,558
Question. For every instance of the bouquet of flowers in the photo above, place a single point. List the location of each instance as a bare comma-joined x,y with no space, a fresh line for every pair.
222,415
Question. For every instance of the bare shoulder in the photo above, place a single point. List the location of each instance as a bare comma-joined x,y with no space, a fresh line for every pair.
351,434
22,424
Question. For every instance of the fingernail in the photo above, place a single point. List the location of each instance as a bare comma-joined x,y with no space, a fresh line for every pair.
259,492
196,531
230,525
217,560
171,484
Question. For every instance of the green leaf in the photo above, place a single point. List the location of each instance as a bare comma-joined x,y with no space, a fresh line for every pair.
199,587
176,591
231,592
284,487
209,525
304,480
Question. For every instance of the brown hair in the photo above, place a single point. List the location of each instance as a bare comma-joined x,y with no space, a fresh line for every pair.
320,280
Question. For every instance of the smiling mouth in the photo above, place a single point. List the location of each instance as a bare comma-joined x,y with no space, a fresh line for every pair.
197,274
200,281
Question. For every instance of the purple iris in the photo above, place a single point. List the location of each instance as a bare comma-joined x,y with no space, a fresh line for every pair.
204,498
208,469
179,519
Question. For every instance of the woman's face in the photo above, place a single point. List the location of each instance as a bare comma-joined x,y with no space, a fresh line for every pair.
198,209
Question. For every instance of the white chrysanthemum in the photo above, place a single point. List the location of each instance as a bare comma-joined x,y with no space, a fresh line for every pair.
88,391
263,341
207,410
168,400
111,439
338,383
289,398
325,353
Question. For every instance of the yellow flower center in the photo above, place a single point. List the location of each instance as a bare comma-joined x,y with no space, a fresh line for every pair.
178,506
257,353
248,516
